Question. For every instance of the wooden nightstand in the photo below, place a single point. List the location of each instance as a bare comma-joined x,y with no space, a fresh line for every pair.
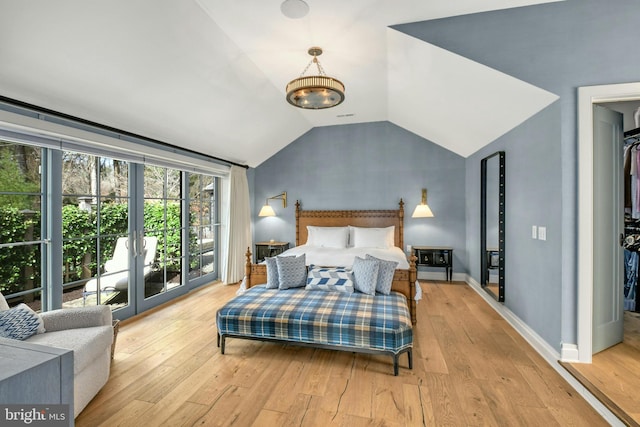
269,249
435,256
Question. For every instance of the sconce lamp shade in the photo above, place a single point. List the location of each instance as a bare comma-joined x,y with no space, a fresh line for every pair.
423,210
267,211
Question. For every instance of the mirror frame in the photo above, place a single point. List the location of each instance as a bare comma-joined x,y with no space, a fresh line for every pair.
484,270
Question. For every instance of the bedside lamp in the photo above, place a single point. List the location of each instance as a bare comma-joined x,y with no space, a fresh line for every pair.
268,210
423,210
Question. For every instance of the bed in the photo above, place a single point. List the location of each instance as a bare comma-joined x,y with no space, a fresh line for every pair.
320,307
404,279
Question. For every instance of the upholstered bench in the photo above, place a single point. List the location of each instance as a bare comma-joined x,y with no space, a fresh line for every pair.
354,322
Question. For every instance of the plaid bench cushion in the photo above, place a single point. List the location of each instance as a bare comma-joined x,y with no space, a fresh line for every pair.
356,320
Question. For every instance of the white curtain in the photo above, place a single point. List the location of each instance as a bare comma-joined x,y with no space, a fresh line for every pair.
238,236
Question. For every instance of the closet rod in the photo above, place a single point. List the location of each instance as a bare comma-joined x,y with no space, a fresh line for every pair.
632,132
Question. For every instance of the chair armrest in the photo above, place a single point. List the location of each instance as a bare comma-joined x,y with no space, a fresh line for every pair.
72,318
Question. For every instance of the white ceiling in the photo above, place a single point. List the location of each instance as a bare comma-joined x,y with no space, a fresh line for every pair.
210,75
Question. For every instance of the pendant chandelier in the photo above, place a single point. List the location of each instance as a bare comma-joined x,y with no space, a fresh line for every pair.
315,92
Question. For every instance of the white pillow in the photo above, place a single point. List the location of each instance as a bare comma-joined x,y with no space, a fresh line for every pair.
327,237
364,237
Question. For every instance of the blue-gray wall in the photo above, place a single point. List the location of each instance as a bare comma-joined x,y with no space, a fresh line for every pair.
558,47
533,270
366,166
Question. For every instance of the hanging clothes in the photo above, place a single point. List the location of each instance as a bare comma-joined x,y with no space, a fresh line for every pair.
627,179
630,279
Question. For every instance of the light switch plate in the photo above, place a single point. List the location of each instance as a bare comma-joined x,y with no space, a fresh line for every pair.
534,232
542,233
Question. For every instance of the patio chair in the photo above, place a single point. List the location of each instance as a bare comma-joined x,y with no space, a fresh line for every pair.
116,270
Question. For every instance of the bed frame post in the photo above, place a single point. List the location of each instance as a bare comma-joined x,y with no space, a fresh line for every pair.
297,222
247,268
401,224
413,278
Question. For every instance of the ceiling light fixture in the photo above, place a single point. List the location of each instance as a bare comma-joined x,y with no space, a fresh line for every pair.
315,92
294,9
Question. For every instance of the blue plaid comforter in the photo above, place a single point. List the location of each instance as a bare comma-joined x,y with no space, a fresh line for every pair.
330,318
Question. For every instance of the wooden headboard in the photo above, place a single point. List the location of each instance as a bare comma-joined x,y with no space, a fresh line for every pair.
364,218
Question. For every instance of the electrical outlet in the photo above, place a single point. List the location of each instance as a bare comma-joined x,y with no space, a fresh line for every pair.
542,233
534,232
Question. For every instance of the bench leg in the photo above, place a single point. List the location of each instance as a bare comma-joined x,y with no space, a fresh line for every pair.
410,355
395,365
221,339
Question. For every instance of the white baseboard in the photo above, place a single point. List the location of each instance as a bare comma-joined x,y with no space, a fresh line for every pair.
569,353
551,356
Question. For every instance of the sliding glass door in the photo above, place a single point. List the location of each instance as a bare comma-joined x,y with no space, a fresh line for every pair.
164,228
96,231
22,244
203,226
88,229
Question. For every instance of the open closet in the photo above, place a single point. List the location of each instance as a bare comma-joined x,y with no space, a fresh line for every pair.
613,371
631,241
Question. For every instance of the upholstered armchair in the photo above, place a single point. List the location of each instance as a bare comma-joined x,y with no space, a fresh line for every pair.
88,331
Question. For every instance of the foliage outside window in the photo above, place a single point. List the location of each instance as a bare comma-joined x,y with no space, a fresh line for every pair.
20,206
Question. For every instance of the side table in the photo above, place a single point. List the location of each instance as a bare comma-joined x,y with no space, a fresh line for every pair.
435,256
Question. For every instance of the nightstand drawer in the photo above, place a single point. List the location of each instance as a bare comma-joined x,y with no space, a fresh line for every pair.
433,258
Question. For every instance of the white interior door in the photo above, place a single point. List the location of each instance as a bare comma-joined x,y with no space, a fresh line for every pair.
608,221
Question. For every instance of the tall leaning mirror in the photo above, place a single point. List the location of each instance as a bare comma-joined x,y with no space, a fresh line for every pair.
492,225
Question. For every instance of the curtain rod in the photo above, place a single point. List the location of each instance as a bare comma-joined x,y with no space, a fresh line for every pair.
58,114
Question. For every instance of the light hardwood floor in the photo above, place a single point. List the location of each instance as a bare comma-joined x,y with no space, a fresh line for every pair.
470,368
614,374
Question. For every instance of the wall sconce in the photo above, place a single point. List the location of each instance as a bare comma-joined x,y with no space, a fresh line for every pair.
423,210
268,210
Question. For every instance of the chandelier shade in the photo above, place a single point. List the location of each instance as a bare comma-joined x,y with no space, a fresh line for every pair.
315,92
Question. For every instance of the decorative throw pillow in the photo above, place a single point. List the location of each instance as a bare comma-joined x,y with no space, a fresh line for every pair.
18,323
25,307
386,270
3,303
272,273
337,279
365,274
292,272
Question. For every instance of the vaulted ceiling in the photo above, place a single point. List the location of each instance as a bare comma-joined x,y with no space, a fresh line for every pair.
210,75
